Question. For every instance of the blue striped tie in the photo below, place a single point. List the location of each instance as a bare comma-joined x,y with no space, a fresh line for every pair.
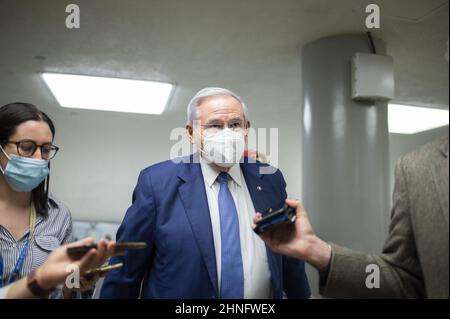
232,281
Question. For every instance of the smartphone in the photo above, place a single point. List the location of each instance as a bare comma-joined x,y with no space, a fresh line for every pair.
78,252
101,271
285,215
130,245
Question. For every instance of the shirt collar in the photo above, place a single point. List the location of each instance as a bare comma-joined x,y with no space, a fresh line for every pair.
210,173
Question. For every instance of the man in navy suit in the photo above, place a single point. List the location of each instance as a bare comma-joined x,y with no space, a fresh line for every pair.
195,214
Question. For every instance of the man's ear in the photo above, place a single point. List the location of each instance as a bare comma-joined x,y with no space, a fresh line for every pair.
190,133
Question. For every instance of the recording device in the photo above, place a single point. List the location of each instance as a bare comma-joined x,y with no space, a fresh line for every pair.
283,216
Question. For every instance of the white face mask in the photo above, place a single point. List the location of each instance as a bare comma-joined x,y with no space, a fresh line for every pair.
224,148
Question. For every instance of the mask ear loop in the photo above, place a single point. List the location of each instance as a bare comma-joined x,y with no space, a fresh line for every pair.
3,151
195,130
47,186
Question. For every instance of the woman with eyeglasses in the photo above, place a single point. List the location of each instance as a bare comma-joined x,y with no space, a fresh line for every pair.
32,222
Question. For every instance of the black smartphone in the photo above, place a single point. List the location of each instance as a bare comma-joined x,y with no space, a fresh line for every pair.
285,215
78,252
101,271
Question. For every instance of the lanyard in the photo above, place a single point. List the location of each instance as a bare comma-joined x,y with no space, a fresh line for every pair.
19,264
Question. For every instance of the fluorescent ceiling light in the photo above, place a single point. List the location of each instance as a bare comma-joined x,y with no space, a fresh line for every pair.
108,94
405,119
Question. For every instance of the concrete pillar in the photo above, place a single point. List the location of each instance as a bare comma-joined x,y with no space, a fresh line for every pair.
345,148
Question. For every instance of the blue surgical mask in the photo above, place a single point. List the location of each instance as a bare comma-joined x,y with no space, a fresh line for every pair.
24,174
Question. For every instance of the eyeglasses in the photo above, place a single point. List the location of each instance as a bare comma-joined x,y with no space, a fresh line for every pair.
214,127
27,148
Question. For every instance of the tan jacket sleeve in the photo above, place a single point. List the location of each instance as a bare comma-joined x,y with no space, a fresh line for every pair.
399,267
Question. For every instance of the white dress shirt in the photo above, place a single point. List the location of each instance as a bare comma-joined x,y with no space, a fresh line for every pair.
257,284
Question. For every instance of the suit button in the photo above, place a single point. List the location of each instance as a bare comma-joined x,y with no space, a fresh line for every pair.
258,188
270,210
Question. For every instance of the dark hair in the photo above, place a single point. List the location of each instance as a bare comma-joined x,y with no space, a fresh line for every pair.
11,116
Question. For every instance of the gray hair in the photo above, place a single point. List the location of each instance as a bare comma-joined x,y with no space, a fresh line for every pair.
192,110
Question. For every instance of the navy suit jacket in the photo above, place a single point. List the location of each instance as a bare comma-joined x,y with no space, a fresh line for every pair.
170,213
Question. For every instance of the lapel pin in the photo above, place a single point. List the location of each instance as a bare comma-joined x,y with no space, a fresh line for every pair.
258,188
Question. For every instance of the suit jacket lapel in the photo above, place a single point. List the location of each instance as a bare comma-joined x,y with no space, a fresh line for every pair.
193,197
258,187
440,173
261,193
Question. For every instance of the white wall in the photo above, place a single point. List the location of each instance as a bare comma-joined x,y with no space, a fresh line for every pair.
100,158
